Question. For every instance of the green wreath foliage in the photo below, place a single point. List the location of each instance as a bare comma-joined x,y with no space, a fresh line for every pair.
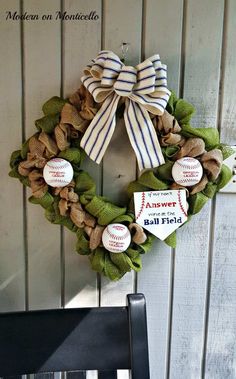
113,265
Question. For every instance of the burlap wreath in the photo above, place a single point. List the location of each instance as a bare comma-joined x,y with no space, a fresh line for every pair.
77,206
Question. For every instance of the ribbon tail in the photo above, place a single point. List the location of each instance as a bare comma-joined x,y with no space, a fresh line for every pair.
142,135
99,133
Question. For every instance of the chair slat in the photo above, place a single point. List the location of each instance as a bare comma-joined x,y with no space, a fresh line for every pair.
76,375
107,375
46,375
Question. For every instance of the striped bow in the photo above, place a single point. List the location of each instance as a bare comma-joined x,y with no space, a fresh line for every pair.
145,90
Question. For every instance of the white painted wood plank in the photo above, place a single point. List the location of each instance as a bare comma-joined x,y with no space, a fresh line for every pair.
189,297
203,52
163,35
11,216
42,80
80,280
154,282
221,346
228,125
82,41
162,23
119,163
201,83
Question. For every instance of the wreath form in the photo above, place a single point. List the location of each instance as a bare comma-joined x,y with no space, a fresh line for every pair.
78,207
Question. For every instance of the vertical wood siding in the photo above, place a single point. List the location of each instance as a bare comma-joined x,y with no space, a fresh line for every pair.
80,41
202,41
157,285
119,164
12,215
191,291
221,327
41,60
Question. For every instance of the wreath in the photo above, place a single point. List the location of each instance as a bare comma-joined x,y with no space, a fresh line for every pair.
83,125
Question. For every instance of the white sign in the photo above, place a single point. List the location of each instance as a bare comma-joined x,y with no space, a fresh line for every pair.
161,212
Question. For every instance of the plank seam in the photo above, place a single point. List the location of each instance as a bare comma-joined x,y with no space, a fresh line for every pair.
62,237
99,289
99,279
183,50
170,312
135,282
143,29
62,265
208,286
102,47
25,221
102,24
143,56
173,251
222,67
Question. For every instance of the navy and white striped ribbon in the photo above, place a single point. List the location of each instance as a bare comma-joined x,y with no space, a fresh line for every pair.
145,89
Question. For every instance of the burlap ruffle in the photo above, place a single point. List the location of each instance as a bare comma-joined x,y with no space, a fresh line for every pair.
38,186
82,110
192,147
62,134
211,161
168,128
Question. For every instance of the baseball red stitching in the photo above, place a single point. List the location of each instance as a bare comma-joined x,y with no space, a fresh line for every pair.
181,205
58,168
117,238
58,160
57,180
142,205
187,159
186,180
186,167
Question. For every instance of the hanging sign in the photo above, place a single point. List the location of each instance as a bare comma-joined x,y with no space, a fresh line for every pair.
161,212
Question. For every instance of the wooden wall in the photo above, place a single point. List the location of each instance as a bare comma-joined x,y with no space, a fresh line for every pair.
190,291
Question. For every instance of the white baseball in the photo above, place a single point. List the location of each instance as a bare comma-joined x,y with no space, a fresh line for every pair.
187,171
58,172
116,238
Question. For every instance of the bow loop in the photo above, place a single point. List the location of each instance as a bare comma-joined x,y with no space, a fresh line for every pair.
145,90
126,81
146,77
99,64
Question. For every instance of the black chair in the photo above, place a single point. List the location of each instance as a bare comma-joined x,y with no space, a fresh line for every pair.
104,339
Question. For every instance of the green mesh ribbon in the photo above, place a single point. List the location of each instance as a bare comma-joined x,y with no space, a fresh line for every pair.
114,265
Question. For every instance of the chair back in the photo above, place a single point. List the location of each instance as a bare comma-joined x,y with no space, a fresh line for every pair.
104,339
